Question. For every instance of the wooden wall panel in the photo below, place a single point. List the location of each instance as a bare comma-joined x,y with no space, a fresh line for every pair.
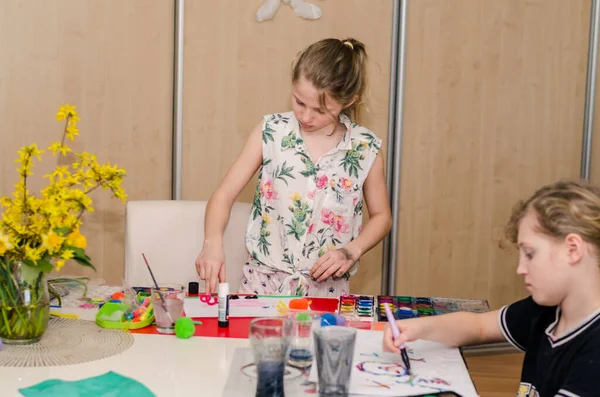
494,109
237,69
113,59
595,155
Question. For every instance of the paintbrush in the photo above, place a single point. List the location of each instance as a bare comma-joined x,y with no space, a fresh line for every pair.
162,300
396,334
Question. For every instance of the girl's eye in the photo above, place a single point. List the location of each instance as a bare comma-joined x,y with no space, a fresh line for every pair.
320,111
529,255
299,103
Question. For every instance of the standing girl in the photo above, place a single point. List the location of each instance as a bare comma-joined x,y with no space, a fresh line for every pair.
316,164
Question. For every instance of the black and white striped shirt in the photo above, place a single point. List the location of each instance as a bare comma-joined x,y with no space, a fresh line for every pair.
567,366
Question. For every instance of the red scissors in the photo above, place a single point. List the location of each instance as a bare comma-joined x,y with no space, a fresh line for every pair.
209,299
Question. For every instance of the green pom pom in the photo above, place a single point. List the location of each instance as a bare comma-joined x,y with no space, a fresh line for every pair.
303,317
184,327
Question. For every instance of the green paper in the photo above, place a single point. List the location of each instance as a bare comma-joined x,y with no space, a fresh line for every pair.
110,384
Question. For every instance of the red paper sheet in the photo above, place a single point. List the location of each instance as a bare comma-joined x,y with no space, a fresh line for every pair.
239,327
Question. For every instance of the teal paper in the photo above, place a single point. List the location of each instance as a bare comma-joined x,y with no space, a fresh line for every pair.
110,384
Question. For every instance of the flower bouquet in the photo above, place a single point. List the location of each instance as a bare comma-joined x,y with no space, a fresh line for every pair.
39,233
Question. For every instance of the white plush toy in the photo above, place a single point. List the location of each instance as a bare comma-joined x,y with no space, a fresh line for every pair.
303,9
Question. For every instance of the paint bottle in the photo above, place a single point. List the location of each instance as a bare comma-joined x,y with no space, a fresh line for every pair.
223,315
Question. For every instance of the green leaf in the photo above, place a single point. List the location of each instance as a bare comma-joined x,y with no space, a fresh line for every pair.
78,252
62,231
54,293
267,135
66,280
42,265
84,262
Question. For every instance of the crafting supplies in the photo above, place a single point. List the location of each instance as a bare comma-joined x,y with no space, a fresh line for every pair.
365,306
347,304
223,312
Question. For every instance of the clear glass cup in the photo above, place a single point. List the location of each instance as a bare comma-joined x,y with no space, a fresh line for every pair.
269,339
334,352
167,303
301,339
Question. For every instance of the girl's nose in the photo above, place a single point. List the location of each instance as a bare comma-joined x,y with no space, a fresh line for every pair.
521,269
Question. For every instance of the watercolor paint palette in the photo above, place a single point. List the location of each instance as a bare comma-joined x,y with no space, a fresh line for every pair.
361,307
450,305
410,306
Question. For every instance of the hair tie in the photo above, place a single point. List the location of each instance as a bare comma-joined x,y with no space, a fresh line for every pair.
349,44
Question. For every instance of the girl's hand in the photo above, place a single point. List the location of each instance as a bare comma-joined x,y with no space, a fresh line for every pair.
210,266
334,263
410,330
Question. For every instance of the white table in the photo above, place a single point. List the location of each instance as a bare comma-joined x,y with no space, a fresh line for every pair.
167,365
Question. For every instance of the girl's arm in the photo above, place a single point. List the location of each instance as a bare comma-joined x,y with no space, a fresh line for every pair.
219,205
211,261
454,329
380,215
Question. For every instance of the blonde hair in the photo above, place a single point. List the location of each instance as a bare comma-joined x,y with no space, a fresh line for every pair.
338,68
561,208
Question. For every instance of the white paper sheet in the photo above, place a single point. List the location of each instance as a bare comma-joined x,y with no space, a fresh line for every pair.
435,368
259,307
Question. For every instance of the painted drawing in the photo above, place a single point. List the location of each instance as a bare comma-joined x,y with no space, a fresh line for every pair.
435,368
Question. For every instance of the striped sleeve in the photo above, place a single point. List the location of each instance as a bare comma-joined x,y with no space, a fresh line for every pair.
515,321
566,393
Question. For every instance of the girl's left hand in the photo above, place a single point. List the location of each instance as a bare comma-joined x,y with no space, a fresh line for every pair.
334,263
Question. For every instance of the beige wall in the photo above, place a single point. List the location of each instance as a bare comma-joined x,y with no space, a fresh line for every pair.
111,58
494,106
493,109
237,69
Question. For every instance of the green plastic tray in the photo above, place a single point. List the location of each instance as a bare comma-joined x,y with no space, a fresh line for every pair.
109,308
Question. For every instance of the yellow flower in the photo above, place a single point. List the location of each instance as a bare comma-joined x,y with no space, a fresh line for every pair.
267,219
33,254
47,226
77,240
72,132
64,149
59,264
67,254
55,147
296,196
51,241
4,243
25,155
66,110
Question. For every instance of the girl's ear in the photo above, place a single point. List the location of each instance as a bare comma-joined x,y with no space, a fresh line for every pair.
575,248
351,102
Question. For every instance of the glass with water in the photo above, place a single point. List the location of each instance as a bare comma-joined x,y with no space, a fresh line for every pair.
167,303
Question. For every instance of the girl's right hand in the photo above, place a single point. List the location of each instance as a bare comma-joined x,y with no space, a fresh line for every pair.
410,330
210,266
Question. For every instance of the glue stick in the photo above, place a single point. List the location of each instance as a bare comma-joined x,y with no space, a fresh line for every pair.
223,305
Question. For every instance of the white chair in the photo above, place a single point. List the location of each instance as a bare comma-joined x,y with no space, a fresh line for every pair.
170,233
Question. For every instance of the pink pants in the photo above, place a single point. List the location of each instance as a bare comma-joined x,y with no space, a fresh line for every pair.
262,280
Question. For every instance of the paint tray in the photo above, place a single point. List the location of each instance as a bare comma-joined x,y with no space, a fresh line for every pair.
112,315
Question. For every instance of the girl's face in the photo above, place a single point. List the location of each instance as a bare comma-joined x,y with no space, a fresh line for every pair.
543,263
308,110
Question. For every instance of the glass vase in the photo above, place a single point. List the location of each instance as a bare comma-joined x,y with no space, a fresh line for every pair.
24,303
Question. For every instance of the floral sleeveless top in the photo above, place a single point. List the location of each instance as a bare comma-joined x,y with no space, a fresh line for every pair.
303,209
